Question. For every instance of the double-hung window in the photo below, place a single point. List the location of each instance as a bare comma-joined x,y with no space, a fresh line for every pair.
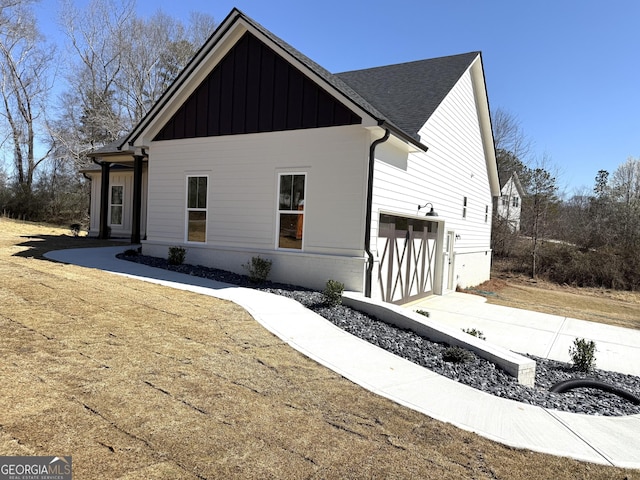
197,208
291,194
115,204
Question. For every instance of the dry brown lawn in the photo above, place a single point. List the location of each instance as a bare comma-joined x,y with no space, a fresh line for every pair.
136,380
597,305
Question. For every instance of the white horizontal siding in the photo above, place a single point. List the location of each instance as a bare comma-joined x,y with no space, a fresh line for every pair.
454,167
243,180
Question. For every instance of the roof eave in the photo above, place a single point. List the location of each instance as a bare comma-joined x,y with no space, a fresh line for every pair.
486,128
403,135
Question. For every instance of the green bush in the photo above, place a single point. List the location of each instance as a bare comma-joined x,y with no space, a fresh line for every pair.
475,333
456,355
333,292
258,269
75,229
176,255
583,354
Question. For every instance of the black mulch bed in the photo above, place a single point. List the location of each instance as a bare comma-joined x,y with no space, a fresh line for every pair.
476,372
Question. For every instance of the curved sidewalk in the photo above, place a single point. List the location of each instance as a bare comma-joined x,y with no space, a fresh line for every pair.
605,440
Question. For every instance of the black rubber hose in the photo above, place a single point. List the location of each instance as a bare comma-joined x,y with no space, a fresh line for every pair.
590,383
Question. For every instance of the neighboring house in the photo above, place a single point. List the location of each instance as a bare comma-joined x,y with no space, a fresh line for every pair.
509,205
255,150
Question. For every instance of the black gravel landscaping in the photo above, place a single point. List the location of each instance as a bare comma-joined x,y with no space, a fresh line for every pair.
475,372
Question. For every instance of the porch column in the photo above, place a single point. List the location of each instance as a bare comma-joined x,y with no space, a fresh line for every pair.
137,199
104,201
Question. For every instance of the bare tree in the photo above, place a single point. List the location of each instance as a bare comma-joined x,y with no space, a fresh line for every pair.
625,195
154,56
538,205
25,67
512,151
97,36
510,138
123,65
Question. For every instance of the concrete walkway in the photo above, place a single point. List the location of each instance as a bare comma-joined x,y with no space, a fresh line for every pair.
539,334
605,440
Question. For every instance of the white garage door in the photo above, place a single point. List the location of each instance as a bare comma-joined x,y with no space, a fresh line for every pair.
407,254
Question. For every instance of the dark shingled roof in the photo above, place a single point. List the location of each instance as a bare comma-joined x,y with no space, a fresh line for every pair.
403,95
408,93
334,80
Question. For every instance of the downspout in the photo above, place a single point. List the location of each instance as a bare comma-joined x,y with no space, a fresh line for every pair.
367,231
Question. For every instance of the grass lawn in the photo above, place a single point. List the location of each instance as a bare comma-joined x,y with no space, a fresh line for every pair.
136,380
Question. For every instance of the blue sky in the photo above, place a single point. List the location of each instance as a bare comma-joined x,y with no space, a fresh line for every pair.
569,70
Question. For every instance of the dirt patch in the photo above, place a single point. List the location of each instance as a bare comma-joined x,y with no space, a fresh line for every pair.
136,380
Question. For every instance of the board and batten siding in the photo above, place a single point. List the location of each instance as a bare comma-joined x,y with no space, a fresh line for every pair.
454,167
242,201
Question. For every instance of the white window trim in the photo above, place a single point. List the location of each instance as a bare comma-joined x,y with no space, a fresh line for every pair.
187,210
279,175
111,187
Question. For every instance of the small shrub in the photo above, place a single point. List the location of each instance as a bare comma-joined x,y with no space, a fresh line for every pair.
583,354
176,255
475,333
333,292
258,269
423,312
75,229
456,355
132,252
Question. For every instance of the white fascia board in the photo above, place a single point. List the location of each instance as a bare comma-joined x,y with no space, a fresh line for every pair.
484,118
198,69
187,82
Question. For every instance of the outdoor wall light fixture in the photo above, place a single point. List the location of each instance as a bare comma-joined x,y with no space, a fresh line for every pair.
430,213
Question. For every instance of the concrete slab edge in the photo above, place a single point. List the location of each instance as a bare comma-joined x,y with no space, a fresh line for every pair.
519,366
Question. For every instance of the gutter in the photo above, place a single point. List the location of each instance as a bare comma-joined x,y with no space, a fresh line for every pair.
367,232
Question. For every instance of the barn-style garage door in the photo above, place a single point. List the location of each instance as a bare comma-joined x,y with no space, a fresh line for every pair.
407,253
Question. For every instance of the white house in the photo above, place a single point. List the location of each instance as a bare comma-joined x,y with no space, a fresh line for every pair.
509,205
382,179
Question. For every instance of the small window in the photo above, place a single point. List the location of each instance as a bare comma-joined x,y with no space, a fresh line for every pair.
515,201
197,209
486,214
116,203
291,207
505,200
464,208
